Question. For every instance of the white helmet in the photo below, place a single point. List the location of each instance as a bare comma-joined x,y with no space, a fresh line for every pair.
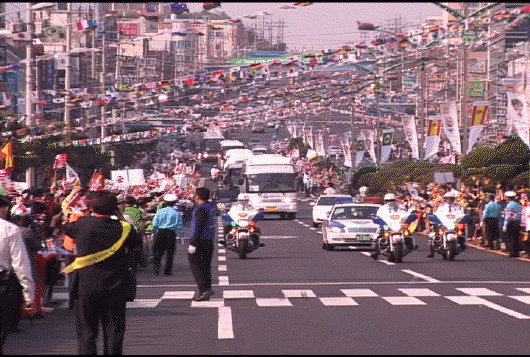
390,197
363,189
243,197
450,194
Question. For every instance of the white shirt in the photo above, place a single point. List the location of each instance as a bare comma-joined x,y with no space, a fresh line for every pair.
330,191
13,255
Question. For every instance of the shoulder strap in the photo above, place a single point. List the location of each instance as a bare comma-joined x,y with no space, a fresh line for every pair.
87,260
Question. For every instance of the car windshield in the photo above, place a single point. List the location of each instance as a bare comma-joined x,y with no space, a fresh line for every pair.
354,212
277,182
330,201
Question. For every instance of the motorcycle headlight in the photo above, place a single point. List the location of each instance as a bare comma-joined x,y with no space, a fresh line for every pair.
396,237
243,223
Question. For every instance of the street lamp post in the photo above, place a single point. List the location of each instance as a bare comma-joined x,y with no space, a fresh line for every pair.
30,172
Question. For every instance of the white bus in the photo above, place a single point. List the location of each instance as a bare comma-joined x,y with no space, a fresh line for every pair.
270,182
229,145
211,145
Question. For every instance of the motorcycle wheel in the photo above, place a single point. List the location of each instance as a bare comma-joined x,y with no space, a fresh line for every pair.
391,257
398,253
452,251
243,249
444,254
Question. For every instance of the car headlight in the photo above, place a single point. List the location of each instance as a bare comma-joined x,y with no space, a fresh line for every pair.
289,200
336,229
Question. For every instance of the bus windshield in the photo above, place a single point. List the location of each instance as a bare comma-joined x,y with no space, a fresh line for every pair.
271,182
212,145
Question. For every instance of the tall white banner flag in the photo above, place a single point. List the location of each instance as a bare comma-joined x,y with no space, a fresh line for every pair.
409,127
450,125
359,150
387,143
432,139
518,109
368,136
346,149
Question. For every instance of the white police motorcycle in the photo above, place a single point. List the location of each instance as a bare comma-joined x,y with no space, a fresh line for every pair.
448,237
394,240
241,235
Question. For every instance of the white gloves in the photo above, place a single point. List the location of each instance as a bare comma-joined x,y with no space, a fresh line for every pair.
504,228
192,249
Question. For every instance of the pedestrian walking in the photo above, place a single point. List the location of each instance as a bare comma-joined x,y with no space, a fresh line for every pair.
512,224
490,220
15,271
104,255
167,225
201,247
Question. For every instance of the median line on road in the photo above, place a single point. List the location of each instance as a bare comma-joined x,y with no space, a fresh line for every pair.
225,328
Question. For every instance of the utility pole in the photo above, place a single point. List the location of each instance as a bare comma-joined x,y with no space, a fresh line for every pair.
463,110
30,172
68,69
103,84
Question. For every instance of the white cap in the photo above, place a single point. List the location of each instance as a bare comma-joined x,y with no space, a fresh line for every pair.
389,197
170,197
510,194
20,210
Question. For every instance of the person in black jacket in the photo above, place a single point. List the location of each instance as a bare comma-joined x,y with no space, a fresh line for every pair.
201,246
98,290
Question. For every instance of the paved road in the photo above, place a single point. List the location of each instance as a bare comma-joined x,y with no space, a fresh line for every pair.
293,297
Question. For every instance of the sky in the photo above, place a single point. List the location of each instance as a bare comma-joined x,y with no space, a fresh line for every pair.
325,25
321,25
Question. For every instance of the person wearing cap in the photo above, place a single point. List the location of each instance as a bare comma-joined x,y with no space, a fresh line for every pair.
512,224
136,216
490,220
167,225
15,271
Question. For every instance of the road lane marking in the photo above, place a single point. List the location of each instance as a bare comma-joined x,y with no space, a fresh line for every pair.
403,300
184,295
338,301
359,293
222,268
212,303
522,298
222,258
475,300
418,292
479,292
221,251
421,276
298,293
143,303
524,290
273,302
224,324
386,262
223,280
238,294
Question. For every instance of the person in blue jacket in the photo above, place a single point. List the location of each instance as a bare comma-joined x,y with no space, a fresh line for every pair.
512,223
201,248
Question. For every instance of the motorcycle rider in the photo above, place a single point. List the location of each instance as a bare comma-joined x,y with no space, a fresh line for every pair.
449,206
384,212
242,205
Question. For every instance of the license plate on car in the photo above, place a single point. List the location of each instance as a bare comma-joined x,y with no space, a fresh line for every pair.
271,209
362,237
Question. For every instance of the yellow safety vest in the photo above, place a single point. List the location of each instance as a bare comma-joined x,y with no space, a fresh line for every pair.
87,260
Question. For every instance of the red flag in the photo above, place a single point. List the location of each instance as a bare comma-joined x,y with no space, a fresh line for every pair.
97,182
60,161
7,154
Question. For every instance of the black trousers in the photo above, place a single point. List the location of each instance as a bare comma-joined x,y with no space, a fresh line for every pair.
491,230
164,243
11,299
513,230
109,309
201,264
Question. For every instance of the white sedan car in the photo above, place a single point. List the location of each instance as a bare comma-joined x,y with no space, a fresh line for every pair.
322,207
350,224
